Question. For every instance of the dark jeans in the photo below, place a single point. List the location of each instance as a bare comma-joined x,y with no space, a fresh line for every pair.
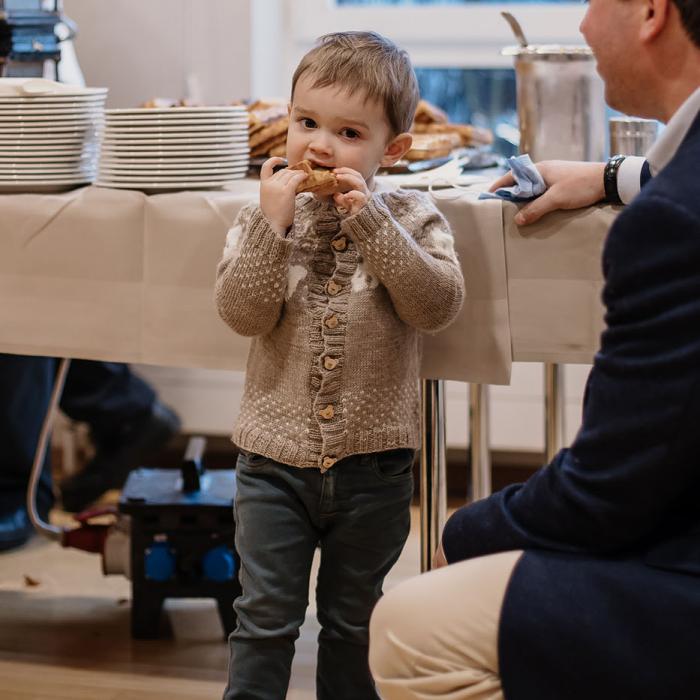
106,395
358,512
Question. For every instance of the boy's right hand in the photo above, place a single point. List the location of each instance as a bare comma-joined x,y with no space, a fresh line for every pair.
277,194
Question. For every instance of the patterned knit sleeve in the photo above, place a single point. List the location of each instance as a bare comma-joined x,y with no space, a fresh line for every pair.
408,245
252,275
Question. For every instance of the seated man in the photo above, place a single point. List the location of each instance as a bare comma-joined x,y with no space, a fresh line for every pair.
126,421
584,582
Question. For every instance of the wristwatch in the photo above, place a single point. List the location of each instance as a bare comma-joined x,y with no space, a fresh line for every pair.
612,196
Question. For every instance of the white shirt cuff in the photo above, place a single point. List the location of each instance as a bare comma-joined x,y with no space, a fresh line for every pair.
628,178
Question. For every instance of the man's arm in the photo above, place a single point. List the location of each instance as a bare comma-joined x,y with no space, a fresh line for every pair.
574,184
635,457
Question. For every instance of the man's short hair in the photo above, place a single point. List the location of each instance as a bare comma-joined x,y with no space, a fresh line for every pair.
690,17
368,62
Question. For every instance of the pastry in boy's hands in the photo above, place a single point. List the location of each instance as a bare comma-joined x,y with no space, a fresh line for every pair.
318,180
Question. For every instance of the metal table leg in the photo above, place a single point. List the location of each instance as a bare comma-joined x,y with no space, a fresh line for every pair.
433,487
554,410
479,450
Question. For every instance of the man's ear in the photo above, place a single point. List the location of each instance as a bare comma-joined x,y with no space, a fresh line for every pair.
396,149
656,16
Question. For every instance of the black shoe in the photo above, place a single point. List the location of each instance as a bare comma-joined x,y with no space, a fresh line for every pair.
111,465
15,528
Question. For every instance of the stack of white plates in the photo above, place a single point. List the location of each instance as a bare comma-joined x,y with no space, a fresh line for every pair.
174,148
49,134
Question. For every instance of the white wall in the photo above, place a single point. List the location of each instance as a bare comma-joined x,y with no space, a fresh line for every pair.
171,48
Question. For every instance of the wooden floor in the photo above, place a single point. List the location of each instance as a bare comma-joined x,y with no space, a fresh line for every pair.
64,634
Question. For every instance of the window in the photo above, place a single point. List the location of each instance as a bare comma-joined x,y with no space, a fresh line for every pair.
455,46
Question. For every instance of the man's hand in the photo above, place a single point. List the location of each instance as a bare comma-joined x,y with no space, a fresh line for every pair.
357,193
277,194
439,558
570,185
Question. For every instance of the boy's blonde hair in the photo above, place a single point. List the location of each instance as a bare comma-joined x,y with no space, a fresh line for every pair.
369,62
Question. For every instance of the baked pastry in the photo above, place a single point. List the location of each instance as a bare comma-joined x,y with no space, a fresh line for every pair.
271,135
427,113
318,180
468,135
430,119
169,102
427,146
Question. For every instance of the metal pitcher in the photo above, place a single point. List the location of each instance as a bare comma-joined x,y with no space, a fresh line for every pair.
561,102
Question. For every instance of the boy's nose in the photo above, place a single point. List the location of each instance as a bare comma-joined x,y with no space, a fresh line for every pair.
320,145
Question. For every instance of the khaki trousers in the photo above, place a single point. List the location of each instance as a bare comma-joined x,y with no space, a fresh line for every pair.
436,635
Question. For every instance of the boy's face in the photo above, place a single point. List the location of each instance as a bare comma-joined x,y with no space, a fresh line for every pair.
334,128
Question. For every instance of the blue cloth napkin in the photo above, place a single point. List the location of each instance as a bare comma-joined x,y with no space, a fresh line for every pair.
528,182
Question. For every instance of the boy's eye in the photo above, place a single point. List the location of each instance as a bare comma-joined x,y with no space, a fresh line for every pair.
308,123
351,133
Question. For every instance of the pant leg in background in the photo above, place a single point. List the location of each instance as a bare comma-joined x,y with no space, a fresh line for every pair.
25,390
125,417
108,396
127,425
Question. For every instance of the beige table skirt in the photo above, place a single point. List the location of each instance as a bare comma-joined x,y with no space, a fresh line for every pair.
117,275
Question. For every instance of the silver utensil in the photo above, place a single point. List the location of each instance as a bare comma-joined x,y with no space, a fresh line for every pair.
517,29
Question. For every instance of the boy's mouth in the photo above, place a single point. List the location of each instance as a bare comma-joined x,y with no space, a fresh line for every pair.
320,166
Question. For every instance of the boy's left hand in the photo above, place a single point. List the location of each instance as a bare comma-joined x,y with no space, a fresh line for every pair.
357,193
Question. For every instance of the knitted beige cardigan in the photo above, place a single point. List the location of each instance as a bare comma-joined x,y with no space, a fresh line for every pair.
336,310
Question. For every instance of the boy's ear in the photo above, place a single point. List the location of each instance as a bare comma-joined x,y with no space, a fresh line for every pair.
396,149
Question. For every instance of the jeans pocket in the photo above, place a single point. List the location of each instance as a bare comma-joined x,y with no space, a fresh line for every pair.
251,459
394,465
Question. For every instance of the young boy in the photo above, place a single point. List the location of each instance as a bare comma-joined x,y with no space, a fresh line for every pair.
336,292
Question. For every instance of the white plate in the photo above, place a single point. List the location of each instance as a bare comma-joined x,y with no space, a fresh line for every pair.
40,87
33,105
177,131
172,162
12,120
59,145
164,187
8,180
60,131
33,157
179,111
157,120
86,173
157,154
169,175
52,165
39,147
41,187
125,179
6,111
173,144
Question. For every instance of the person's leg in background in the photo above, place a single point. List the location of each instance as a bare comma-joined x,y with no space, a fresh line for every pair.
125,417
365,516
436,635
127,423
25,389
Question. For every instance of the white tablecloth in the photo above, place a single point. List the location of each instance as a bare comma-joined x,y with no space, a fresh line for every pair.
117,275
